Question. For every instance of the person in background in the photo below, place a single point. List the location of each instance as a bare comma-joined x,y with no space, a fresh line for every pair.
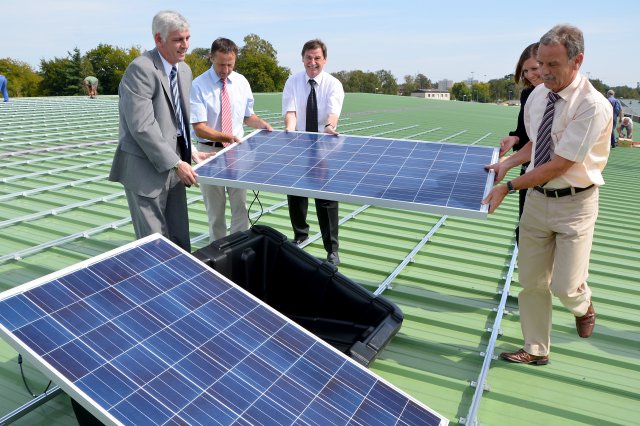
626,125
153,156
319,90
3,87
528,72
217,125
617,112
90,84
569,124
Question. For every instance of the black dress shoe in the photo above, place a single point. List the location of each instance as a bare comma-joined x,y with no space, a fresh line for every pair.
333,258
299,241
587,322
523,357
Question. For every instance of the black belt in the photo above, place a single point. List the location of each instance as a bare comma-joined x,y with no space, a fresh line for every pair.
214,144
557,193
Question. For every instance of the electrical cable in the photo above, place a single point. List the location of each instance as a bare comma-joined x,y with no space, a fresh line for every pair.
24,380
255,197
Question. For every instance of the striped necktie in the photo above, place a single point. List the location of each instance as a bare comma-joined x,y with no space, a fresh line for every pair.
173,80
226,122
185,152
312,109
543,141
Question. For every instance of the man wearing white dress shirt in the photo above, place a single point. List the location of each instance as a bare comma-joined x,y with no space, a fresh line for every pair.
329,96
207,122
569,123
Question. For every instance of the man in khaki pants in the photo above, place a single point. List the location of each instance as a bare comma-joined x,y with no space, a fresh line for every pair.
569,123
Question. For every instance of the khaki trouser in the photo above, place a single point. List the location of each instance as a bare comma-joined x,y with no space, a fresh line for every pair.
556,235
215,201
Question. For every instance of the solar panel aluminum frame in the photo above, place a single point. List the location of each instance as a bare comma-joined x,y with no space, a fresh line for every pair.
93,406
480,213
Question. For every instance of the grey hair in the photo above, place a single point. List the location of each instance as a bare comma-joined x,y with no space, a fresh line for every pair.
611,93
166,21
567,35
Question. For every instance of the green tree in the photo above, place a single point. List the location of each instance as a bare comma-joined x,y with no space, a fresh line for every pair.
409,85
460,91
109,64
61,76
388,83
198,60
358,81
480,92
422,81
258,62
22,80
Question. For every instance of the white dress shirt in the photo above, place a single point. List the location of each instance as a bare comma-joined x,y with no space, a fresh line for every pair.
205,100
581,131
329,95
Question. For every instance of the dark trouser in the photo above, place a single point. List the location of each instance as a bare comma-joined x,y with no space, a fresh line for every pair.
327,212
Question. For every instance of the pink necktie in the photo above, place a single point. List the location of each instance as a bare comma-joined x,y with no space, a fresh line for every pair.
225,111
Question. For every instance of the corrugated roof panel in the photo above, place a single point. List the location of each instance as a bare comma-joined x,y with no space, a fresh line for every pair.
448,291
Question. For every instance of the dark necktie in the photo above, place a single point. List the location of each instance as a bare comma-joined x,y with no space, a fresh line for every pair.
173,81
543,142
312,109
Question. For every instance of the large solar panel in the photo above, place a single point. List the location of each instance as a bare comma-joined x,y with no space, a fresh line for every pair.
147,334
431,177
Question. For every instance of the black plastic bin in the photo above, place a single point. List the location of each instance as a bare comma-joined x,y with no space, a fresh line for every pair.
308,291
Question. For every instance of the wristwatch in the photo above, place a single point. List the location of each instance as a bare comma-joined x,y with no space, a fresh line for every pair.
511,188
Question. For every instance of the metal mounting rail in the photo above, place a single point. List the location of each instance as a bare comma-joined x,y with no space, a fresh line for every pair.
61,209
423,133
480,383
409,258
56,147
30,406
21,254
55,171
346,218
55,187
483,137
453,136
395,130
371,127
57,157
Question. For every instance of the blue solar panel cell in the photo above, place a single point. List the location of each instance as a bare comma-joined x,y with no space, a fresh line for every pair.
385,172
155,337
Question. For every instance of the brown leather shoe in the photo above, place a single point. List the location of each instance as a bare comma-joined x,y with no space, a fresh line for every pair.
585,323
523,357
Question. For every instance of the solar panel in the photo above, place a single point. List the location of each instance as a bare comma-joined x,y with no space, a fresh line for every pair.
147,334
432,177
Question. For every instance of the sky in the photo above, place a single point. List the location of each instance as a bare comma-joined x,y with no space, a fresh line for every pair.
457,40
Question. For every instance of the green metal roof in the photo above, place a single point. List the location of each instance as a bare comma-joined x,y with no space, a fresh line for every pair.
57,208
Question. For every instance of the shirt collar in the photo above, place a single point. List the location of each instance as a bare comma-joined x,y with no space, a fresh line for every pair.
217,79
572,87
167,65
317,78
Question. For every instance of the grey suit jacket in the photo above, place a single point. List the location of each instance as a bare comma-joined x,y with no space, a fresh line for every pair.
147,148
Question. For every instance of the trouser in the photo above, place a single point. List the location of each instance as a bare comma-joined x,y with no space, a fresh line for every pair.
556,235
166,214
327,212
215,201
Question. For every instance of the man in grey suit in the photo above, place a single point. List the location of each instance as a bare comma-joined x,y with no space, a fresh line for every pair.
153,157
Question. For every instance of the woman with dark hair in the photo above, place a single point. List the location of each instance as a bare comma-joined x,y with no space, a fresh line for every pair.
526,72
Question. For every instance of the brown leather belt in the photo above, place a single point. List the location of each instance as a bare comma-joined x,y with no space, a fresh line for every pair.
557,193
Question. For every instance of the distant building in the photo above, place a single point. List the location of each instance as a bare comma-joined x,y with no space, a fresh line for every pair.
445,84
438,94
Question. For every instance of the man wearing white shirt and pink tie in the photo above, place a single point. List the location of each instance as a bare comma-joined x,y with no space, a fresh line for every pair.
221,103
